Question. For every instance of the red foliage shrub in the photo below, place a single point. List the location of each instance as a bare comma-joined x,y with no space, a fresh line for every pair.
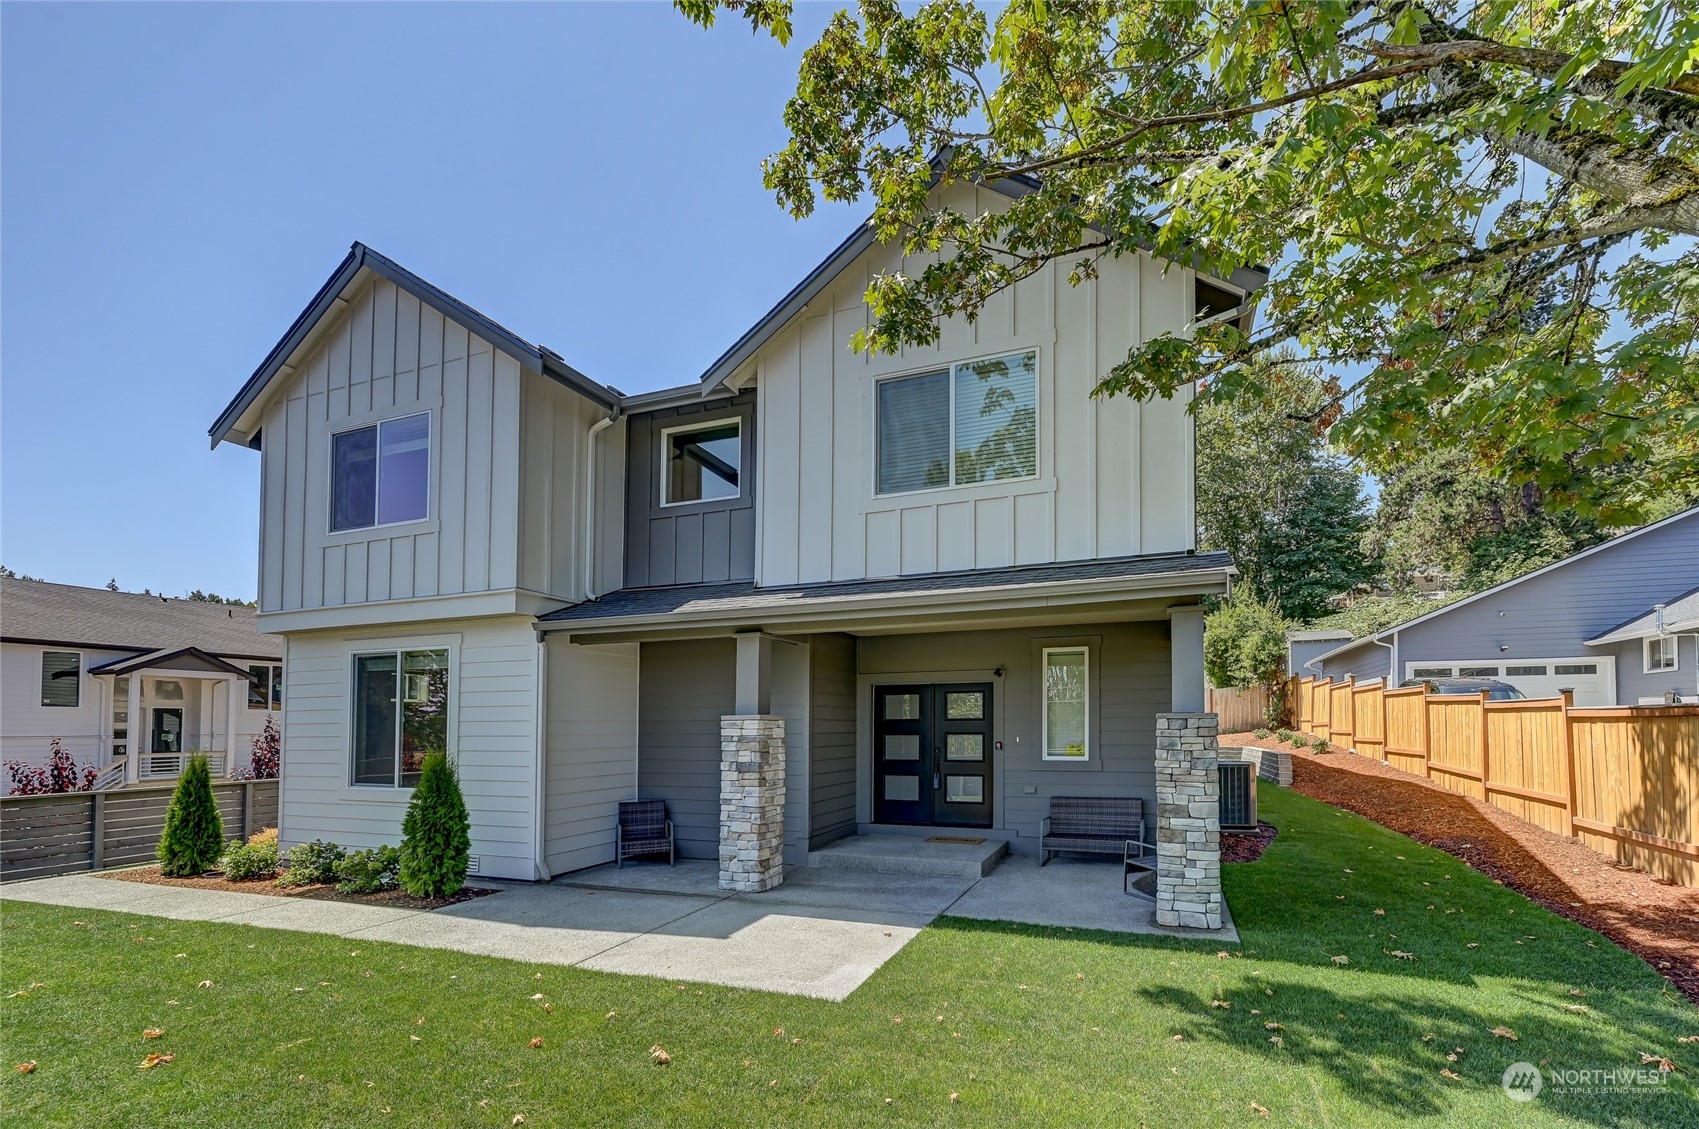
61,773
267,753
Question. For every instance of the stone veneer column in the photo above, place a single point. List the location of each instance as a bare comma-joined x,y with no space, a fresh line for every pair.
1188,821
752,801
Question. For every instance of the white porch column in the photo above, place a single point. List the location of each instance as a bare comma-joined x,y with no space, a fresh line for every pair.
234,688
754,674
135,730
1185,656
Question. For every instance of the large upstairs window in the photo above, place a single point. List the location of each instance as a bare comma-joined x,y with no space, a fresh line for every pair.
972,422
381,474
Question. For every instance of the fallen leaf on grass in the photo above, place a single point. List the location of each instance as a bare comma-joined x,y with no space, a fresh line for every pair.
1452,1074
154,1033
550,1008
954,1097
538,996
154,1060
1665,1066
1473,945
1219,1003
1263,1110
1505,1033
27,1067
1179,1038
518,1119
1399,954
534,1044
610,1015
661,1057
1341,959
1428,1038
1687,1038
414,1039
19,993
206,983
1380,913
1576,992
1272,1026
1583,1009
1222,955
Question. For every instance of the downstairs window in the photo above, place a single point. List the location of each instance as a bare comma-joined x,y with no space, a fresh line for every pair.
400,715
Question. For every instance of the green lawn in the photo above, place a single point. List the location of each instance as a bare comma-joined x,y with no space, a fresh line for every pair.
1026,1026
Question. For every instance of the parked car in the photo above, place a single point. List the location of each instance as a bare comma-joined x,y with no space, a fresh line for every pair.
1496,691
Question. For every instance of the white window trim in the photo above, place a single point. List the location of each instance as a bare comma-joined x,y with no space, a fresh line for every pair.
397,791
949,370
662,477
1646,655
1084,652
430,476
40,669
273,675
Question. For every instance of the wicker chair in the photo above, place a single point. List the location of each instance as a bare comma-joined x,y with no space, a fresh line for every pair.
643,829
1101,825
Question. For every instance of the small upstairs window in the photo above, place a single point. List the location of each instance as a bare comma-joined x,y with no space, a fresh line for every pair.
973,422
703,462
1208,300
61,678
1661,654
381,474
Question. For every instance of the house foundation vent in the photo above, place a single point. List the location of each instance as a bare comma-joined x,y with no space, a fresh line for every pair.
472,864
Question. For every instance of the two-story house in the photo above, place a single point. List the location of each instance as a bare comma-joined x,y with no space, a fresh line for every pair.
954,582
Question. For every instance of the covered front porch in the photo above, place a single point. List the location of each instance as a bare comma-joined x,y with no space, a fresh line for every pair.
167,706
784,729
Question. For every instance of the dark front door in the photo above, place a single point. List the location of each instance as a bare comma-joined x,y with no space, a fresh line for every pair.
167,731
932,754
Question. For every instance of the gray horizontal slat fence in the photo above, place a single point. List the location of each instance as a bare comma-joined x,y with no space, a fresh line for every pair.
44,835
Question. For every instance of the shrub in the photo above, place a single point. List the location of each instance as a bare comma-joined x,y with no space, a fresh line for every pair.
1320,745
312,863
245,861
263,836
194,834
1261,734
265,754
1244,643
1286,736
61,773
367,872
436,845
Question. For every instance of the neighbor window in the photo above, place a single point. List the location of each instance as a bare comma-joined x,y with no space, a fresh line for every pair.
1431,672
1576,668
61,678
265,692
1478,672
1660,653
381,475
703,462
975,422
400,714
1524,671
1065,693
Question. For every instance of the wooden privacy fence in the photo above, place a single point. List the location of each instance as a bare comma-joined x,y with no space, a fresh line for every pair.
1239,709
1624,780
57,834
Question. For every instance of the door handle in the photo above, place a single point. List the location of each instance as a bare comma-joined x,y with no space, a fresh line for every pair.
935,768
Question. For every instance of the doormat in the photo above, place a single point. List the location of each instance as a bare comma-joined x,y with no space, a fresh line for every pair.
955,839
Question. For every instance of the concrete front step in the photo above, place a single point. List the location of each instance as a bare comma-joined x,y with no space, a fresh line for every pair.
912,854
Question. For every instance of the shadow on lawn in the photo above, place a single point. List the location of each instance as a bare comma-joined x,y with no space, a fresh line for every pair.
1387,1048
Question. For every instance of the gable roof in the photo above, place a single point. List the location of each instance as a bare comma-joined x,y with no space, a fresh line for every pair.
347,275
34,611
823,275
1679,614
197,659
1614,542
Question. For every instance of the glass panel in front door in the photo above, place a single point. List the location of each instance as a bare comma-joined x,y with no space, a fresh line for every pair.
167,731
931,755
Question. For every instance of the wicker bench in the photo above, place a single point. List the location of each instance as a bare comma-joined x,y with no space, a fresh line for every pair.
643,829
1099,825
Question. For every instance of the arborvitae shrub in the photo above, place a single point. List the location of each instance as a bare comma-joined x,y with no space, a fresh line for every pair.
194,834
436,844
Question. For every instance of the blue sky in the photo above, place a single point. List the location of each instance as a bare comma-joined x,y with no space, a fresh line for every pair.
179,179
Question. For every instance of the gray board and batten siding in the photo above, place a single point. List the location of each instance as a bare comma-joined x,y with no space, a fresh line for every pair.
696,542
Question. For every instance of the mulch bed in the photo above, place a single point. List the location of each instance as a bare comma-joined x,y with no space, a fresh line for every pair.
399,899
1657,921
1246,846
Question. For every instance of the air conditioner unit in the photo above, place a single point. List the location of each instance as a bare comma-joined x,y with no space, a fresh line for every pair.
1238,795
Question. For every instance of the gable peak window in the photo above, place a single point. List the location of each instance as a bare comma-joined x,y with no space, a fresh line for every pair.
1661,654
704,462
380,474
61,678
972,422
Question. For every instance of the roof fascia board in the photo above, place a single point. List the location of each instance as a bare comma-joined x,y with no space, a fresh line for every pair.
925,605
1497,588
150,660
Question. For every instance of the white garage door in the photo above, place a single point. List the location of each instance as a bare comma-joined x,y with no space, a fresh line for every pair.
1592,678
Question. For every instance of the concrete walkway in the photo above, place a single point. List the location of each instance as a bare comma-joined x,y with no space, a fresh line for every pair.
821,934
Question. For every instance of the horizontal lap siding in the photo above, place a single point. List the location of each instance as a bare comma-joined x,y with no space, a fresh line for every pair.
592,751
493,684
685,689
831,745
1130,686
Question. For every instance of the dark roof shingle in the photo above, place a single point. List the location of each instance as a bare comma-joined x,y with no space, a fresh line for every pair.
38,612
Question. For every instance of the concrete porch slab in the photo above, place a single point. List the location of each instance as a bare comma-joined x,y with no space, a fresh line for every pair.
1074,893
911,854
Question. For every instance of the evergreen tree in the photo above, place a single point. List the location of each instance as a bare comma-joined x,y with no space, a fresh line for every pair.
194,833
436,844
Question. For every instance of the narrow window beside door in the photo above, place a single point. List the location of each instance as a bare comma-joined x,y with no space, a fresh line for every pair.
381,475
1065,704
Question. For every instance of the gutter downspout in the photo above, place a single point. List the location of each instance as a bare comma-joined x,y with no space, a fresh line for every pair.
539,828
591,508
1393,677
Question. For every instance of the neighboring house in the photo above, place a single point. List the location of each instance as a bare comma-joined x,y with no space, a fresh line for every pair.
131,682
1302,646
962,582
1616,623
